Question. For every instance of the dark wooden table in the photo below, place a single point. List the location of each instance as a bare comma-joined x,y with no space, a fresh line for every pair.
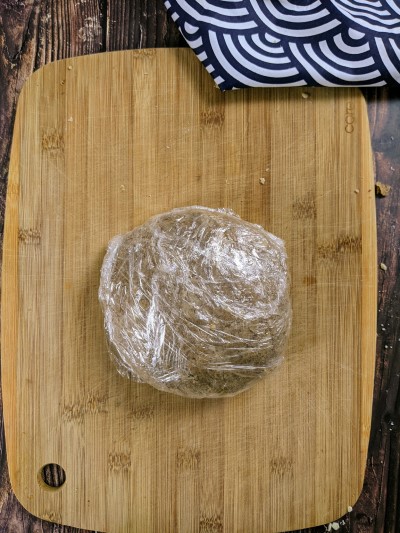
33,33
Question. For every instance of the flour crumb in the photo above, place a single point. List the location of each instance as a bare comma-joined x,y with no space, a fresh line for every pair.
262,181
381,189
335,526
383,267
349,509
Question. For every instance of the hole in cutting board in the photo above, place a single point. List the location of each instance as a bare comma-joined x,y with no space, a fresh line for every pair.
52,476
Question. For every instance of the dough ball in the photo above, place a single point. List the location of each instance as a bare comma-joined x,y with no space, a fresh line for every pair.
196,302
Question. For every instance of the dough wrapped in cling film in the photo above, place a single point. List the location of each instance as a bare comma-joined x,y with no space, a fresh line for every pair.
196,302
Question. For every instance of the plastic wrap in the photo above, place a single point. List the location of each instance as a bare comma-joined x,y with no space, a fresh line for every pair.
196,302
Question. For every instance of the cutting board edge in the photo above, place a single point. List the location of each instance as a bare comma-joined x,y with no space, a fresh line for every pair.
9,303
370,274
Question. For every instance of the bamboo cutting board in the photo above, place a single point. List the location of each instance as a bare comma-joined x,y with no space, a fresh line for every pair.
101,143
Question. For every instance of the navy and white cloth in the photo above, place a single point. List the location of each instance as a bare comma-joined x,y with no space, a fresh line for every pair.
261,43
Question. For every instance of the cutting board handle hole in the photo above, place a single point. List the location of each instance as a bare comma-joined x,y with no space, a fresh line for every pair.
51,476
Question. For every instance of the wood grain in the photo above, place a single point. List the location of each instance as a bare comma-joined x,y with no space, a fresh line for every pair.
101,144
33,33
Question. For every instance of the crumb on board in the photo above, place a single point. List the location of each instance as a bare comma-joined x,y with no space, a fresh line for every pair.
69,67
356,191
381,189
383,267
305,95
262,181
349,509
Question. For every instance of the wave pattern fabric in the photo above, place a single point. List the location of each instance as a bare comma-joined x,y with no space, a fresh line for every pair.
261,43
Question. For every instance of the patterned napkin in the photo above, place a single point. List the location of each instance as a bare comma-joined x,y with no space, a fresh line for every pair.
261,43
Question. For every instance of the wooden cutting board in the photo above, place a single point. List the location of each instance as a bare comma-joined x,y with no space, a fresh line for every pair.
102,143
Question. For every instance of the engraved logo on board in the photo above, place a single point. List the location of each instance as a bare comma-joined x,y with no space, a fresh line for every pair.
349,117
